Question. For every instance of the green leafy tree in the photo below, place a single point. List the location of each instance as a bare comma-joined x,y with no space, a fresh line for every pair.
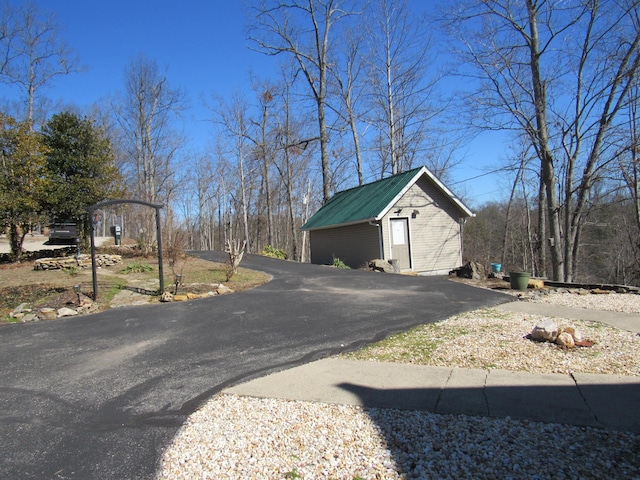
22,180
81,168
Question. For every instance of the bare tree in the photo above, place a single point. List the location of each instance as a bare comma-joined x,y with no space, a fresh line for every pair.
233,117
559,72
264,146
32,53
401,91
347,73
302,29
146,114
629,163
290,162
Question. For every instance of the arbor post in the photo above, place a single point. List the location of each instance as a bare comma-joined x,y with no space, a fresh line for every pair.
100,205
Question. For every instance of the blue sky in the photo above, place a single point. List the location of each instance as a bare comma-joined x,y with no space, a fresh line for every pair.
202,45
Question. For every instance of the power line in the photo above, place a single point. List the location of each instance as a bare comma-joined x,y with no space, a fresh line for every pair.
502,169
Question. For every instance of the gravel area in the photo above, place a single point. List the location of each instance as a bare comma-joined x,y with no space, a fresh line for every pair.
239,437
497,339
612,302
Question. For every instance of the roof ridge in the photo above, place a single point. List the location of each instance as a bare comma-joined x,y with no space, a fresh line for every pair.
406,172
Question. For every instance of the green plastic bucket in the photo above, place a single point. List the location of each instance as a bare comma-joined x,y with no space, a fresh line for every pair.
519,280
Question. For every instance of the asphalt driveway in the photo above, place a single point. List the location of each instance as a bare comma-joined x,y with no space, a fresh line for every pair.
101,396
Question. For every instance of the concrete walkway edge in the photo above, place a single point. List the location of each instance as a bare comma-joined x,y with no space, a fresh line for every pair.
624,321
605,401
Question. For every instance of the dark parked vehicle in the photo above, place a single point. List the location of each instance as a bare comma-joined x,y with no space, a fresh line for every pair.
64,232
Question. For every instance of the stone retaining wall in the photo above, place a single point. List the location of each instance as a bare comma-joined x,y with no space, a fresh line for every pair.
27,256
83,261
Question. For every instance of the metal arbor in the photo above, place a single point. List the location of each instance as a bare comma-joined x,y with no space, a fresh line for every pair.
108,203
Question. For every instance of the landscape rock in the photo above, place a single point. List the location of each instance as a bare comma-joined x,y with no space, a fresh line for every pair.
180,298
223,289
195,296
47,314
66,312
87,307
577,336
471,270
29,317
565,340
20,311
545,331
166,297
379,265
536,283
82,261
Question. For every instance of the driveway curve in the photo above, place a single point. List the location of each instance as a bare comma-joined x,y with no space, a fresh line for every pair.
101,396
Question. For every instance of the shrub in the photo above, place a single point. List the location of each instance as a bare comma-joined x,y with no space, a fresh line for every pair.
137,268
337,263
273,252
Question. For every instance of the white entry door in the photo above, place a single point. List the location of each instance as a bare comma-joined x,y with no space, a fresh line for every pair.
400,248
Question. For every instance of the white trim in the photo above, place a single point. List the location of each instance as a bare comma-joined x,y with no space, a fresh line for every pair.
409,240
456,200
400,194
378,226
438,183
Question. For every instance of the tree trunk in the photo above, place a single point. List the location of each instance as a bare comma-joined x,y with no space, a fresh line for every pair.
15,242
542,233
542,147
243,192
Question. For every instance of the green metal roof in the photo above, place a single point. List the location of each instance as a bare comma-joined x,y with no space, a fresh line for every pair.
360,204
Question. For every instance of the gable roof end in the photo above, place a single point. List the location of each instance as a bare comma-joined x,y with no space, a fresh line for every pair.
370,202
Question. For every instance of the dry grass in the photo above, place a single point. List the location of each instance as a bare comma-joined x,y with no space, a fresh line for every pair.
20,283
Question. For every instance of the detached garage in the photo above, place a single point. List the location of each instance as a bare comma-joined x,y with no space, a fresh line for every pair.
410,218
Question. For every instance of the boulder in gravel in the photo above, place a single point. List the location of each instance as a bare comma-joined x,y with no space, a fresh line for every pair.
577,336
565,340
545,331
472,270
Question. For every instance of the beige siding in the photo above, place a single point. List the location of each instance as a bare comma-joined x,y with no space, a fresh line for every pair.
355,245
434,232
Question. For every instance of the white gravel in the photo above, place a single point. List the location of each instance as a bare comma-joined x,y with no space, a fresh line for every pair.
233,437
612,302
490,338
